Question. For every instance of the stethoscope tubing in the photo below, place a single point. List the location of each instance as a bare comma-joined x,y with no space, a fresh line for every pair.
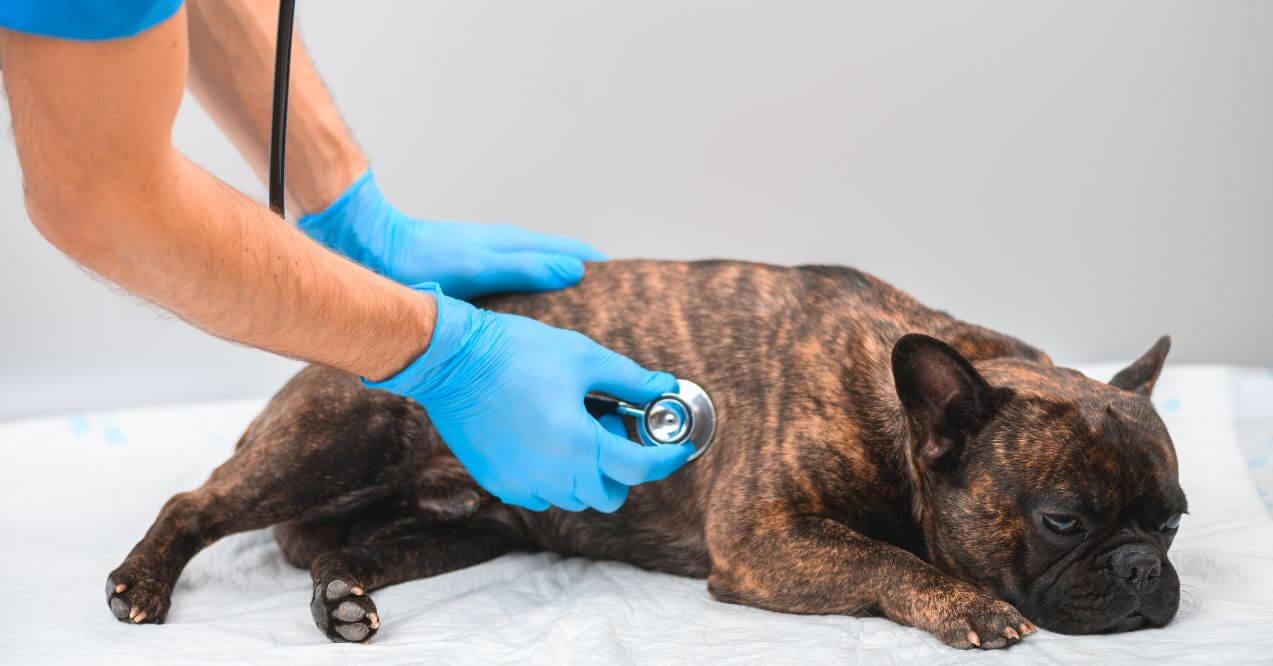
278,112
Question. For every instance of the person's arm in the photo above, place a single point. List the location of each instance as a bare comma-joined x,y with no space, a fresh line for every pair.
328,182
93,121
232,74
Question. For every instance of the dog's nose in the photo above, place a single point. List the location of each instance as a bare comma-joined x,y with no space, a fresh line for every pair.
1136,564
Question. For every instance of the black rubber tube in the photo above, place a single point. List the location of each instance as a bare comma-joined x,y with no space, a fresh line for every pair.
278,117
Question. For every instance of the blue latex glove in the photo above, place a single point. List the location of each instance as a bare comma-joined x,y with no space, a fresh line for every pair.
506,394
467,260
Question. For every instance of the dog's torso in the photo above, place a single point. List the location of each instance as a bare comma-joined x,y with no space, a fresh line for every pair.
797,363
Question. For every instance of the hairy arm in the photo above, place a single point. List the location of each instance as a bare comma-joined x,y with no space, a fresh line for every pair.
103,182
232,74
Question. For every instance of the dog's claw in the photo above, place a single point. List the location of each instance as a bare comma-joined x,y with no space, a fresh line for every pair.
132,614
356,590
374,619
140,616
119,589
1011,633
974,639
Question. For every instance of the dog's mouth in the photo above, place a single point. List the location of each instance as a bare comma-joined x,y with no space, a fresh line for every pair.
1130,622
1121,615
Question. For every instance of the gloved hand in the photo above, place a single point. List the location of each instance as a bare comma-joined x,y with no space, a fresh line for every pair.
467,260
506,395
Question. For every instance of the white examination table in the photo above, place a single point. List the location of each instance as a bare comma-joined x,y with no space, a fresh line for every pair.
79,491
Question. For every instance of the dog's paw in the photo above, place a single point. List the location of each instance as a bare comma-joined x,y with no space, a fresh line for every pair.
137,598
343,611
979,620
964,616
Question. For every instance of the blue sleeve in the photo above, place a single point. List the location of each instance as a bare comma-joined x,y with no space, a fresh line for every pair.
88,20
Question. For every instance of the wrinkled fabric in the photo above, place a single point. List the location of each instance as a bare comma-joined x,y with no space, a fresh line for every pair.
79,491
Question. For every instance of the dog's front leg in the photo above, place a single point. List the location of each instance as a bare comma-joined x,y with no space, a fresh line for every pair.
811,564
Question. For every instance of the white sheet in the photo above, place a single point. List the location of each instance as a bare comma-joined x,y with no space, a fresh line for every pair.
79,491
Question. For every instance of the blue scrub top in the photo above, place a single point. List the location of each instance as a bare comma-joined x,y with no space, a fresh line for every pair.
87,20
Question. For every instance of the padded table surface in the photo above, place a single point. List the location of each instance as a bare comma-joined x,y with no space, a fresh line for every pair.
78,491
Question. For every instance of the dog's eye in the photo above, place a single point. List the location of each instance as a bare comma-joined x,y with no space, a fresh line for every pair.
1172,524
1062,523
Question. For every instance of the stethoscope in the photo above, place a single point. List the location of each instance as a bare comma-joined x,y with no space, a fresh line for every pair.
684,416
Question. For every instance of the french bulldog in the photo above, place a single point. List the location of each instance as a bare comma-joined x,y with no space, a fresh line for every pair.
872,456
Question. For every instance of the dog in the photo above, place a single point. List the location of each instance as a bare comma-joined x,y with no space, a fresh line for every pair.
872,456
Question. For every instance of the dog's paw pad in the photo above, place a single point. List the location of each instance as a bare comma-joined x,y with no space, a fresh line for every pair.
336,589
353,632
119,608
343,611
135,598
348,611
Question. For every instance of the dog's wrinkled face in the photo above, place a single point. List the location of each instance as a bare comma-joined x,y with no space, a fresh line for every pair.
1056,492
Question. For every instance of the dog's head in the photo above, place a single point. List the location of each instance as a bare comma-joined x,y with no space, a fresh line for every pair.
1056,492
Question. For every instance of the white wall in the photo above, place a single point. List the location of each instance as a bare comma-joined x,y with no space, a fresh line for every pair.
1086,175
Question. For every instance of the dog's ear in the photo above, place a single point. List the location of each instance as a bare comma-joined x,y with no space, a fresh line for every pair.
946,400
1140,376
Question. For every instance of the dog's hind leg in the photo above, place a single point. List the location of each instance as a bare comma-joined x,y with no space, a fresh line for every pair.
323,446
402,551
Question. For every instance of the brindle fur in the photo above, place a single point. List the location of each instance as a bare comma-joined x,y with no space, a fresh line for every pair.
821,494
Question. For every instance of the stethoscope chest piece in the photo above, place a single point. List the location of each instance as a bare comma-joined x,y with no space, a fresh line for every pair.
687,415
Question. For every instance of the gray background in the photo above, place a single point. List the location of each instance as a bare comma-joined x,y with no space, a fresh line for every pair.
1086,175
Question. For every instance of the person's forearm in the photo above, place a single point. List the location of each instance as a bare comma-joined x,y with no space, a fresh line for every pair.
231,73
185,241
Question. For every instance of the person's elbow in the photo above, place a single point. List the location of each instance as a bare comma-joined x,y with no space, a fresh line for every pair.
84,208
52,209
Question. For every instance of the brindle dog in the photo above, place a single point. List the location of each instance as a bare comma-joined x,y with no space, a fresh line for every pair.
872,456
